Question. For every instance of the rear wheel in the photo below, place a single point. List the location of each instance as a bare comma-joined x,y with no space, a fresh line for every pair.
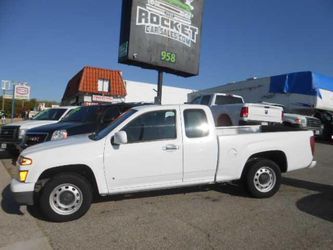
65,197
263,178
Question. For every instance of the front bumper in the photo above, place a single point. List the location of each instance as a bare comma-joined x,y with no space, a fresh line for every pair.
23,192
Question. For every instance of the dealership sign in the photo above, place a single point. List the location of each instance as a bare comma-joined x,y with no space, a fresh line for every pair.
22,92
162,34
102,98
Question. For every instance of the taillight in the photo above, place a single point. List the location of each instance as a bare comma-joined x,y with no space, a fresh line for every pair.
312,144
282,116
244,112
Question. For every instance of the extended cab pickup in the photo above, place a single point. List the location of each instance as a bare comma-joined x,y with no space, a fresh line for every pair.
230,110
156,147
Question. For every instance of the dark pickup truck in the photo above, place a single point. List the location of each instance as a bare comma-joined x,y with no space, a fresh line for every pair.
326,117
82,120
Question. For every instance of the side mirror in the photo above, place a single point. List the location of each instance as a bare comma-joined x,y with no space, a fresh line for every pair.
120,138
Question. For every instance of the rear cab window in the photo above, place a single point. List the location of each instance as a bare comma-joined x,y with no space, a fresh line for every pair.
227,99
196,123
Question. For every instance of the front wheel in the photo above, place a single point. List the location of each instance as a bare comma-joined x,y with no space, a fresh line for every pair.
263,178
65,197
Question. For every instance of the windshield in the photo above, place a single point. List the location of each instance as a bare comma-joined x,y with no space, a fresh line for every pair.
83,114
49,114
102,133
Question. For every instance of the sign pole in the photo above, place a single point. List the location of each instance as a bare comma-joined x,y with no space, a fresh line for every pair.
13,104
159,87
3,100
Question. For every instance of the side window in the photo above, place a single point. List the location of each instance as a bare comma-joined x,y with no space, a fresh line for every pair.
111,114
196,124
196,100
205,100
152,126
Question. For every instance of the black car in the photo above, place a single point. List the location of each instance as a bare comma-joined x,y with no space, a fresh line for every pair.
326,117
82,120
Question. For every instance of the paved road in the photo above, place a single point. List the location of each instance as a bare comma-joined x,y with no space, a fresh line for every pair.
300,216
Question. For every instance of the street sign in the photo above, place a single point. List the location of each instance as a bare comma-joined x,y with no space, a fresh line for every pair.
6,85
22,92
162,34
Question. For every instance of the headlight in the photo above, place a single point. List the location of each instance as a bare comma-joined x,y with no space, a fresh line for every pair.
22,133
24,161
59,134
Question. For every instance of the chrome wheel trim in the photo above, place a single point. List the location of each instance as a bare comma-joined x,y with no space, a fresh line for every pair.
66,199
264,179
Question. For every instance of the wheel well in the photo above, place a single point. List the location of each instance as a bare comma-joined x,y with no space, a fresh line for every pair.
82,170
276,156
224,120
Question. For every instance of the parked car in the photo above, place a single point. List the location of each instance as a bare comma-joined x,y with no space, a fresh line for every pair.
300,121
326,117
12,134
230,110
81,120
156,147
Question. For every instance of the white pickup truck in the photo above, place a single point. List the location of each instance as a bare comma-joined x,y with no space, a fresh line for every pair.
230,110
156,147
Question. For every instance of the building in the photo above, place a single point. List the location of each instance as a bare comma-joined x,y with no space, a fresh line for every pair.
96,85
299,92
146,92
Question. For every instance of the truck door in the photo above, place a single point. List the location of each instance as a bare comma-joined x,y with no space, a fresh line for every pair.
200,147
151,158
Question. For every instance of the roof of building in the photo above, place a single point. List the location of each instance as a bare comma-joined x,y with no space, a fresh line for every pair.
85,81
306,83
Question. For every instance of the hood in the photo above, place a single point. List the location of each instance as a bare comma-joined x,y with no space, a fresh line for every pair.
78,140
28,124
57,126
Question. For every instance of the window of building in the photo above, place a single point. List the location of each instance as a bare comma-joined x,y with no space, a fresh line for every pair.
103,85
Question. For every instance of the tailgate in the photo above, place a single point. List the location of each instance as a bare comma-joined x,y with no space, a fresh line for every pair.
264,113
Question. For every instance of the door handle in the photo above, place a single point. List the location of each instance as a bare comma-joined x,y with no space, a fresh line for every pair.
170,147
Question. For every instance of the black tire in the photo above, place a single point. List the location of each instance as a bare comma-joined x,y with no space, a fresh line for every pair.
263,178
65,188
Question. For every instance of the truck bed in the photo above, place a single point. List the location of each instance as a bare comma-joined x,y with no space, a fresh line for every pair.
238,144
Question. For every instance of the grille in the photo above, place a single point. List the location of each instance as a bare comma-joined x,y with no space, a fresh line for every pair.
313,122
9,133
32,139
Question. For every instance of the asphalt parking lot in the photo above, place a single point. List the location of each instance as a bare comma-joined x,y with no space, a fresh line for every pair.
300,216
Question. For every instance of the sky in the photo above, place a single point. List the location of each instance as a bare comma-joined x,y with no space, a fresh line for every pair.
45,43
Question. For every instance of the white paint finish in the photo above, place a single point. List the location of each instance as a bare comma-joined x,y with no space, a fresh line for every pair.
76,150
256,112
295,145
132,165
146,165
257,90
146,92
200,154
